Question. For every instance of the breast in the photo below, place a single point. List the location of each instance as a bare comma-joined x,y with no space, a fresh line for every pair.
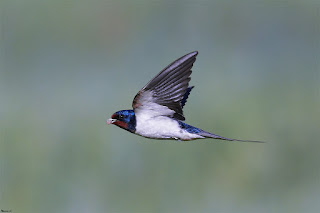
162,127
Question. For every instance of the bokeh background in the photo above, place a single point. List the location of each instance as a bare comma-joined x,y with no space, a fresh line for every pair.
66,66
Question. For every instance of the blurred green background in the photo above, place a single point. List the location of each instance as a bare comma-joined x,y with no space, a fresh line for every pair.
66,66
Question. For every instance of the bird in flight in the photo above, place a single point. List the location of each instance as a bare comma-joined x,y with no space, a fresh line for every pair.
157,107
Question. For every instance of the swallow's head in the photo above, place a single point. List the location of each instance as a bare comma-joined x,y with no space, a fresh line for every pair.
124,119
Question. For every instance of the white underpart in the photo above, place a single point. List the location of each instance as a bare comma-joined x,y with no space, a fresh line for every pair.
152,121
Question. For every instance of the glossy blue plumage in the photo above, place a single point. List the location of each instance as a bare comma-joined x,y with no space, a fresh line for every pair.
185,96
128,117
189,128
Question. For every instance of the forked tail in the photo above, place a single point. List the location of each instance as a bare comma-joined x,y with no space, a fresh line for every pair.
211,135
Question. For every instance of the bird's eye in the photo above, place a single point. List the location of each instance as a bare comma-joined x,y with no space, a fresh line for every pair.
121,116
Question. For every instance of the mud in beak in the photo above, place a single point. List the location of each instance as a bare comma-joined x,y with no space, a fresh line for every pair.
111,121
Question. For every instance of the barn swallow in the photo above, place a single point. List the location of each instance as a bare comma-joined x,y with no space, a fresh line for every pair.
157,107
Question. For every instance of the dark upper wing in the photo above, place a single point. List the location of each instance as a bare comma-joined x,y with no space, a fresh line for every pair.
167,89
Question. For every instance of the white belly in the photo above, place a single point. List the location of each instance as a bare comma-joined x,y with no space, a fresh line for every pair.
162,127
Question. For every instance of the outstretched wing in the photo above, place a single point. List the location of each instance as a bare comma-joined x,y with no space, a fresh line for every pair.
163,94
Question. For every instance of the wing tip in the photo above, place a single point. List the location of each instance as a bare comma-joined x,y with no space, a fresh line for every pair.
194,53
183,59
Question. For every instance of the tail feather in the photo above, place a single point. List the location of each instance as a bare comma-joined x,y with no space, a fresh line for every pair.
211,135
